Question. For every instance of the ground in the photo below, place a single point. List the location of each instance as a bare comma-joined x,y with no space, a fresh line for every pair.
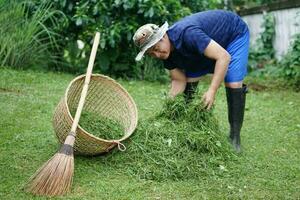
268,168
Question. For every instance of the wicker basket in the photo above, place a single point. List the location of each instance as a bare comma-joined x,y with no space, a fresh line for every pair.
105,98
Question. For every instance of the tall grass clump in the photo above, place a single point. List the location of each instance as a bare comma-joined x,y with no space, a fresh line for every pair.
181,142
25,37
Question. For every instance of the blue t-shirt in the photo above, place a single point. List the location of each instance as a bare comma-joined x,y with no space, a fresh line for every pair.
191,35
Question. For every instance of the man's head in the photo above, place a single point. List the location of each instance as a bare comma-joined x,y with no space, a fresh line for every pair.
153,41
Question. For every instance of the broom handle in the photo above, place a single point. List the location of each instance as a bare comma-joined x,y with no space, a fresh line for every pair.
70,140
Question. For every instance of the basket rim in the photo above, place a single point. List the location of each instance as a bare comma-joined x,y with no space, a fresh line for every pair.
125,92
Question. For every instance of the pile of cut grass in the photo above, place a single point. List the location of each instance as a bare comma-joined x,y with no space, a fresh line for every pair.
180,142
100,126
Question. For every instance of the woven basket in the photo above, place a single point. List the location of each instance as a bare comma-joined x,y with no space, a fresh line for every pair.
105,98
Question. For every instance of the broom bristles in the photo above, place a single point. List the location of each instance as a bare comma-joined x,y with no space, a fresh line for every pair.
55,176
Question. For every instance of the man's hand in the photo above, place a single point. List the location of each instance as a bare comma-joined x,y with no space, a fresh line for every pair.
208,99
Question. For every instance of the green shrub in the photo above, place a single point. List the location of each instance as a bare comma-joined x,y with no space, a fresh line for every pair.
263,53
117,21
262,61
290,63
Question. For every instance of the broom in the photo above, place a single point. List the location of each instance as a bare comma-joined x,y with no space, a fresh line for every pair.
55,176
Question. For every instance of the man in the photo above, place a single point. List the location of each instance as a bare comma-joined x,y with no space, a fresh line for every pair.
215,42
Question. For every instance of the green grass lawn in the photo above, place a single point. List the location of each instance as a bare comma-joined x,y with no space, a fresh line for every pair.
268,168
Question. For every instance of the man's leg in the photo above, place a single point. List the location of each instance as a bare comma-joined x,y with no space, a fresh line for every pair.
190,89
236,99
235,89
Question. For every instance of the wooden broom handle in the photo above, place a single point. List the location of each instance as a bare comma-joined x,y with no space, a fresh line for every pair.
86,83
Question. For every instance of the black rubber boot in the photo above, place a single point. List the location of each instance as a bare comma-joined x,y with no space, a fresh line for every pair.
190,90
236,98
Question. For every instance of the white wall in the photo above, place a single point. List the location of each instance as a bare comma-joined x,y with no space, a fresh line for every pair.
285,28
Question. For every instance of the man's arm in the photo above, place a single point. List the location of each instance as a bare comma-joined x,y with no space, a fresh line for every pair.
222,57
178,82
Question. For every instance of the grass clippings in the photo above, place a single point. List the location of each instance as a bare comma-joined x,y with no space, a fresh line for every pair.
100,126
180,142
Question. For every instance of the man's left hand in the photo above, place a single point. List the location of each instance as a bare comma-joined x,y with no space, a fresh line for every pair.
208,99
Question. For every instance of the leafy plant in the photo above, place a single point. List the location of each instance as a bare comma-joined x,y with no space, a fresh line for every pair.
263,53
290,63
263,59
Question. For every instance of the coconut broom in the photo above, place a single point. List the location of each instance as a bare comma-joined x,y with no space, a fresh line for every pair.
55,176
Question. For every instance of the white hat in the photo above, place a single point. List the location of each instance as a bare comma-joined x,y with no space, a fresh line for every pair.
147,36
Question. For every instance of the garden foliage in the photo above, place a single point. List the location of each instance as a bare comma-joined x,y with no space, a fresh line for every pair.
117,21
262,59
290,63
263,52
57,34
